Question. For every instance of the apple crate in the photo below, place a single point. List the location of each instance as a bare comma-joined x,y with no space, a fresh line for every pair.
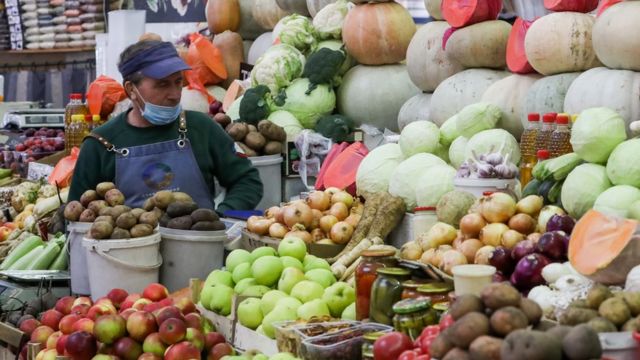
253,241
224,324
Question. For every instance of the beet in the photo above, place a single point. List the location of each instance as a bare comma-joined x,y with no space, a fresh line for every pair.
522,249
553,245
501,260
528,272
561,223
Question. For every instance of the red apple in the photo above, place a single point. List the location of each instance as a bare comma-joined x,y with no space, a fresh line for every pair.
168,312
51,318
141,303
83,300
53,340
29,325
219,351
106,349
155,292
150,356
212,339
196,337
101,309
61,343
140,324
154,345
49,354
182,351
85,324
64,304
153,307
185,305
129,301
193,320
125,314
66,323
81,345
41,334
173,331
104,300
127,349
80,309
117,296
109,328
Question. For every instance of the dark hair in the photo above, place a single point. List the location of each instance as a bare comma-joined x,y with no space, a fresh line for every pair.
133,50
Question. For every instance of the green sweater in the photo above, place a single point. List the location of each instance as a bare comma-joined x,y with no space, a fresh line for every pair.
212,147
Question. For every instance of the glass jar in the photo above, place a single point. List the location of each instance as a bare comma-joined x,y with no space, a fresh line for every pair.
413,315
423,220
437,292
367,344
372,260
410,288
386,291
441,309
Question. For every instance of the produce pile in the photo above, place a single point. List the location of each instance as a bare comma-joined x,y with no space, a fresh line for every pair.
34,145
264,139
177,210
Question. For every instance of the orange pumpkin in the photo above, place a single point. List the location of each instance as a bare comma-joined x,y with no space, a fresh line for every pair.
378,33
223,15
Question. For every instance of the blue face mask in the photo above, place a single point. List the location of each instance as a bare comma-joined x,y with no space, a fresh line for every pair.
160,115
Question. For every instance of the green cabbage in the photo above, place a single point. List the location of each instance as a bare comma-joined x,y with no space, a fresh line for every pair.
596,133
457,151
449,131
376,168
634,210
617,200
405,178
328,21
623,166
434,184
582,187
442,152
234,110
419,137
477,117
298,31
288,122
276,68
308,108
494,140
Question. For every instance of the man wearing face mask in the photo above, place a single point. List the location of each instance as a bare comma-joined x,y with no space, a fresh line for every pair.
156,145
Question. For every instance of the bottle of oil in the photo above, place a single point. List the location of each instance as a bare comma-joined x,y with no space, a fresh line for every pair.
96,122
76,128
528,148
560,142
544,135
75,107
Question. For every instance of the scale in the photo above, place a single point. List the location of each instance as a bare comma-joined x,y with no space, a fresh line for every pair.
34,118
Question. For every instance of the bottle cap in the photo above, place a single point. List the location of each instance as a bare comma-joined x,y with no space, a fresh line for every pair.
88,118
96,118
543,154
574,117
425,208
75,96
549,118
562,119
77,117
534,117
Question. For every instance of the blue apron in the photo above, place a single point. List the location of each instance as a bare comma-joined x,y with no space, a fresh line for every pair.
143,170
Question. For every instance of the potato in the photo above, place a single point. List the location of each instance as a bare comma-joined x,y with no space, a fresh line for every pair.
149,204
255,141
530,345
273,148
508,319
114,197
141,230
100,230
499,295
87,197
615,310
574,316
597,295
162,199
87,216
164,220
468,328
247,150
632,325
149,218
223,119
158,212
119,210
106,218
237,130
485,348
73,210
532,310
272,131
180,223
181,208
582,342
126,221
252,128
601,324
465,304
208,226
97,205
103,187
120,233
204,215
632,299
137,212
181,196
441,345
457,354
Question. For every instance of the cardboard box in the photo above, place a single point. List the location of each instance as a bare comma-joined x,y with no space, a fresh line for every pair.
225,325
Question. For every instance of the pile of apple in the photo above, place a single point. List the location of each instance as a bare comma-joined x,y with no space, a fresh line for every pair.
285,285
325,217
124,326
37,144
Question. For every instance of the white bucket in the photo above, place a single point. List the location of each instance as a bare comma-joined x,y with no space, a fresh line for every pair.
478,187
129,264
189,254
78,258
271,176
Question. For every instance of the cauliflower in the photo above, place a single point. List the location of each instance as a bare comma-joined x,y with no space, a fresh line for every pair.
278,67
328,21
298,31
47,191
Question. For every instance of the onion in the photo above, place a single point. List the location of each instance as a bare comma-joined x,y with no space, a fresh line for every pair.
411,251
528,272
530,205
553,245
545,214
298,213
325,242
275,212
450,259
299,232
523,223
332,190
341,232
534,237
277,230
522,249
492,234
339,210
469,248
439,234
457,242
498,207
511,238
428,257
476,207
437,260
259,225
353,220
317,215
342,197
471,224
319,200
326,222
501,260
561,223
483,255
317,235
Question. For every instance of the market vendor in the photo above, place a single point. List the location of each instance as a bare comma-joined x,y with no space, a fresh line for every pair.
156,145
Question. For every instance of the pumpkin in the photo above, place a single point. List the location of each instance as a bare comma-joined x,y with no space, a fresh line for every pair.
249,28
583,6
460,90
223,15
612,40
547,95
561,42
510,95
378,34
316,5
427,63
374,94
294,6
433,8
267,13
516,56
618,90
481,45
415,109
603,248
461,13
232,49
259,47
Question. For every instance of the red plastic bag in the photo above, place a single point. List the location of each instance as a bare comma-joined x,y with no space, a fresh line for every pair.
583,6
103,95
205,60
62,173
341,173
605,4
336,149
460,13
516,56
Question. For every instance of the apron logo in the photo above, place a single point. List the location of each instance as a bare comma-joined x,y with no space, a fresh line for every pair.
158,176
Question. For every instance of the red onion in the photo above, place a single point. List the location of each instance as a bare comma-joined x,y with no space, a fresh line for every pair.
553,245
561,223
528,272
522,249
501,260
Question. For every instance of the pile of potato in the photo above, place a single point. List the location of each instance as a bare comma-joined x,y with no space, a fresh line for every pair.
178,211
265,139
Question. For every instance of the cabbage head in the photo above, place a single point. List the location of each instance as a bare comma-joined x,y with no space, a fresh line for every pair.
449,131
623,166
457,151
234,110
328,21
419,137
376,168
298,31
617,200
596,133
477,117
634,210
307,106
442,152
433,184
582,187
405,178
498,139
288,122
278,67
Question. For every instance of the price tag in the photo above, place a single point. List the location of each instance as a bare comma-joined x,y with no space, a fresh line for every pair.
38,171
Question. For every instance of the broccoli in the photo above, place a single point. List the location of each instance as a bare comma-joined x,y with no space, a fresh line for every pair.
336,127
256,104
323,67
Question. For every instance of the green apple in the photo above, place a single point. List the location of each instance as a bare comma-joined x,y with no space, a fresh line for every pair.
349,312
221,299
249,313
260,357
237,257
338,296
308,258
316,307
242,271
323,277
282,312
260,330
263,251
306,291
289,278
288,261
270,299
283,356
205,295
243,284
294,247
290,302
316,263
255,291
266,270
219,277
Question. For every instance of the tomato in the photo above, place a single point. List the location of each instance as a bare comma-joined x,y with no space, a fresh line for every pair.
430,330
446,321
425,343
408,355
390,346
423,357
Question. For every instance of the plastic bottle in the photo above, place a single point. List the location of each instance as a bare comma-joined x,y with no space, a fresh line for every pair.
528,148
543,155
560,142
74,107
544,135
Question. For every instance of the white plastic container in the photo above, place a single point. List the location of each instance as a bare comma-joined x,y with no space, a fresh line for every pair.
189,254
270,168
471,279
78,258
478,187
129,264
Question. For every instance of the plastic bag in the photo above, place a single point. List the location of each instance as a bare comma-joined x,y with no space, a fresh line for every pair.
341,172
516,56
605,4
460,13
336,149
206,61
103,95
62,173
312,148
583,6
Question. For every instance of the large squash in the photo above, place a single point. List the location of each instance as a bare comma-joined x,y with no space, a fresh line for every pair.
618,90
294,6
415,109
547,95
616,36
510,94
223,15
374,94
232,49
316,5
460,90
267,13
561,42
249,28
378,33
428,64
481,45
433,8
259,47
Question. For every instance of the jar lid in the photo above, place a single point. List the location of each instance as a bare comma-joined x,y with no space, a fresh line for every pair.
373,336
425,208
378,253
412,284
438,287
394,271
443,306
408,306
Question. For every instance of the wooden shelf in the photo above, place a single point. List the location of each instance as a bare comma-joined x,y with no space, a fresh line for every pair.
49,51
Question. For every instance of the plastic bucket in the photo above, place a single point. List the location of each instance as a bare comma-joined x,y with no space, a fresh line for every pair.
271,176
129,264
78,258
189,254
478,187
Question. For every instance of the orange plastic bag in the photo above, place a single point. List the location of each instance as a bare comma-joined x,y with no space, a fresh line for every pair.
62,173
206,61
103,95
341,173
